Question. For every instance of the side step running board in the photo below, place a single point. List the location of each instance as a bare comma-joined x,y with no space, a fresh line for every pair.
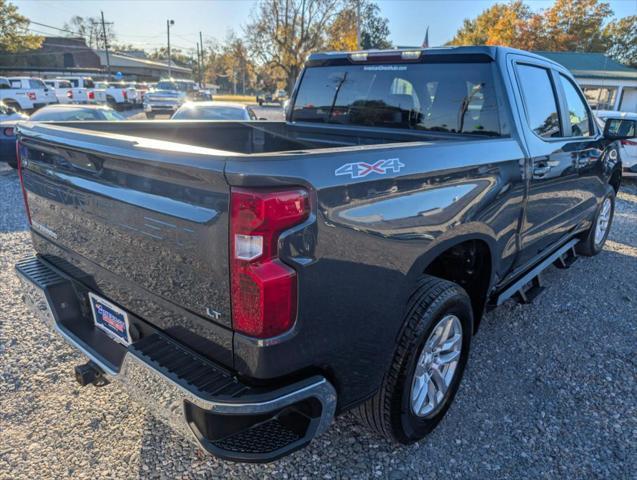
528,287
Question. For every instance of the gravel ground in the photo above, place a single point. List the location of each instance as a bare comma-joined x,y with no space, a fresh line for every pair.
550,391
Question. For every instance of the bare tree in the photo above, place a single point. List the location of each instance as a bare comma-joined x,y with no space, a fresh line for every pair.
91,29
283,32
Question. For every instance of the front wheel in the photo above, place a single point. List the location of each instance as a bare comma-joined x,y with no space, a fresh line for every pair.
428,363
595,238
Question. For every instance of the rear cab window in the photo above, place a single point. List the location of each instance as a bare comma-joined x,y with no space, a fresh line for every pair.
445,97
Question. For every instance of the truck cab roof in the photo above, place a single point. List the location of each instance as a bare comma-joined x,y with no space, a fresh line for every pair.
416,54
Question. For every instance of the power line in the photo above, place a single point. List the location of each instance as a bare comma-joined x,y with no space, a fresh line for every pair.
55,28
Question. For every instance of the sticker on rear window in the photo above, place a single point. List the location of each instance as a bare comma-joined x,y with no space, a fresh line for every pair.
362,169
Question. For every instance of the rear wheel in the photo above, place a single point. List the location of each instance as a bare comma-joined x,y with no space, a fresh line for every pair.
14,105
427,366
595,238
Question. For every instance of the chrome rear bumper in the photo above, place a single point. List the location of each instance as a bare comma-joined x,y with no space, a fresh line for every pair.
291,415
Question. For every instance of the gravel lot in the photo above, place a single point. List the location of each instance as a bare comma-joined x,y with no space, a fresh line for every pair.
550,391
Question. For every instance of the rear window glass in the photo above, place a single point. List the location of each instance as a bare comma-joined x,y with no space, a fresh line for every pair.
89,83
442,97
210,113
66,114
180,86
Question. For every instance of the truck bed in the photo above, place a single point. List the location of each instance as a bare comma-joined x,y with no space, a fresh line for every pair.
250,138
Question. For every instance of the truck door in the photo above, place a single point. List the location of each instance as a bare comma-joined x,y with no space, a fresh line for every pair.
554,186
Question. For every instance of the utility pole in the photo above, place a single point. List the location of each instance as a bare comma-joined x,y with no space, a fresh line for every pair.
168,24
358,24
108,60
202,68
198,65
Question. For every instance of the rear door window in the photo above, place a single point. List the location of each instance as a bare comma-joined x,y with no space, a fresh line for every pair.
577,111
539,100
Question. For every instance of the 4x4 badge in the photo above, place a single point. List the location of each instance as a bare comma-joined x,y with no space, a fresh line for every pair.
362,169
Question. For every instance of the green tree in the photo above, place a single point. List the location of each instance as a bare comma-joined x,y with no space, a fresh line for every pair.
14,30
621,36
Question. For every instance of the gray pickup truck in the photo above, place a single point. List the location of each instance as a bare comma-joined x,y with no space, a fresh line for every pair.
248,281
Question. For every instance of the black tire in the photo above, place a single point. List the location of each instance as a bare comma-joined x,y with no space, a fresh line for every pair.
13,163
588,246
389,412
150,115
14,105
110,101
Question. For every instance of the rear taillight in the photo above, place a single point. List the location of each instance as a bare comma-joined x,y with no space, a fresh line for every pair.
125,94
263,288
69,94
22,160
630,143
91,95
31,95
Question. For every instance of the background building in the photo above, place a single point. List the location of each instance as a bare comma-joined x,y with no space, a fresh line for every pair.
71,56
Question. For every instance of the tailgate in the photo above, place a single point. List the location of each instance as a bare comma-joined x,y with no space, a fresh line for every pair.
147,218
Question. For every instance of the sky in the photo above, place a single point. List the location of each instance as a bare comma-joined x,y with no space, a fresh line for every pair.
143,22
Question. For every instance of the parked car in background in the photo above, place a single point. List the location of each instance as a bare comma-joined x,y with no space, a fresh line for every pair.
25,93
131,91
141,88
84,90
67,113
63,89
116,95
626,148
168,96
249,280
8,119
214,111
279,96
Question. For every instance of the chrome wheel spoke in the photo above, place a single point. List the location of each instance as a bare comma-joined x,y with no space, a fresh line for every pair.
449,357
451,343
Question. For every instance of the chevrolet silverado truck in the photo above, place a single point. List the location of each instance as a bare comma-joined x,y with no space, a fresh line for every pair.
249,280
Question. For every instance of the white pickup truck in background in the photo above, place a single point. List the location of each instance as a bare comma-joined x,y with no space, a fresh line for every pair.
25,93
62,88
118,95
85,90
